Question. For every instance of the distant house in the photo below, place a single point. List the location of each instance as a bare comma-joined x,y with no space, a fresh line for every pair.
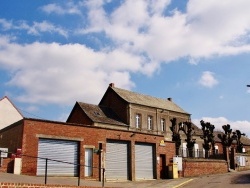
9,114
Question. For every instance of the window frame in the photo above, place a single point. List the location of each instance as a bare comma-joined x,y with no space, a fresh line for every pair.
138,120
150,122
163,125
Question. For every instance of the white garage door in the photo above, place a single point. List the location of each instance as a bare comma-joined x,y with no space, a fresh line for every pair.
55,151
144,161
116,161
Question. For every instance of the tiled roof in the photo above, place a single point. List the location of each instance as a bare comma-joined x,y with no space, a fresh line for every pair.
245,140
146,100
101,114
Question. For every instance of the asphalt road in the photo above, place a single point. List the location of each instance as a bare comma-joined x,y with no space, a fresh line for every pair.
228,180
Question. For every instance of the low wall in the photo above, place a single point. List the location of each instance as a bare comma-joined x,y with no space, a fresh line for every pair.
198,167
29,185
247,164
7,165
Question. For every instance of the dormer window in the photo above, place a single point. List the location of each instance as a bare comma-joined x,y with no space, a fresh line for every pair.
150,123
137,121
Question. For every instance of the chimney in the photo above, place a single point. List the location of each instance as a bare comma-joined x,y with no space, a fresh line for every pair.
170,99
111,85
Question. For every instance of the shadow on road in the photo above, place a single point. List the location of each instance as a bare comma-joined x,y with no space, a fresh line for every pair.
241,179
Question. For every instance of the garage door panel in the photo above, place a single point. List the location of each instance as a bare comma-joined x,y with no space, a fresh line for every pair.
144,161
116,161
55,151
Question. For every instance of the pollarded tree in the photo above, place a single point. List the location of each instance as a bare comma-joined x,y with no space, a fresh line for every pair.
208,137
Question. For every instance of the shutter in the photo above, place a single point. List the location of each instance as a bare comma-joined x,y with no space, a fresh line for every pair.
144,161
116,161
60,150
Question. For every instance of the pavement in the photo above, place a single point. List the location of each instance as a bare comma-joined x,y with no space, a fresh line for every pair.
166,183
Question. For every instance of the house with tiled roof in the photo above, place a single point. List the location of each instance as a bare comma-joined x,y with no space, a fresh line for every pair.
127,110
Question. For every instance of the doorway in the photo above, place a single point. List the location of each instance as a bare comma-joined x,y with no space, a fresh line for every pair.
163,168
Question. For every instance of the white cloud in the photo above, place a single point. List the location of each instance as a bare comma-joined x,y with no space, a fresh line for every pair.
205,30
54,73
62,9
207,79
242,125
45,26
6,25
36,28
143,37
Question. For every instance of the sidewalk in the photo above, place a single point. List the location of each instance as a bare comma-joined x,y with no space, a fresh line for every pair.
168,183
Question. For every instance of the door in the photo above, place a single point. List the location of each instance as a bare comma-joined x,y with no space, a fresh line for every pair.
116,160
163,172
62,157
144,161
88,162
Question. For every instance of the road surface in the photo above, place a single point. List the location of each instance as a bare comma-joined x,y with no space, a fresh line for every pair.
228,180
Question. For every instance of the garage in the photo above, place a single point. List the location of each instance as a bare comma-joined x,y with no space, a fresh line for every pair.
56,151
144,161
116,160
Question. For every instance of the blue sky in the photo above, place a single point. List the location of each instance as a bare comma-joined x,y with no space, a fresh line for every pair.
54,53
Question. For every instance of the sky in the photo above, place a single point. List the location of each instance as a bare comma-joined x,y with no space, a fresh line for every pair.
54,53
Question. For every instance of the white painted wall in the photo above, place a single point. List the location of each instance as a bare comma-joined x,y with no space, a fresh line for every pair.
8,113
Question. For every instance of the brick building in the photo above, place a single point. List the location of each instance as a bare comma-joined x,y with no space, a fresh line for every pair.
127,133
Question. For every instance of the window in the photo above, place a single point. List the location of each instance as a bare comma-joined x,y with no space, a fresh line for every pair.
216,149
150,123
163,125
138,121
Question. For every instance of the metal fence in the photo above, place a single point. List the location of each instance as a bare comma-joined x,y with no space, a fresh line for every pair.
199,153
46,165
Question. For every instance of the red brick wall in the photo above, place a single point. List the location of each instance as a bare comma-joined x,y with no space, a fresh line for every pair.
29,185
199,167
11,137
90,136
7,165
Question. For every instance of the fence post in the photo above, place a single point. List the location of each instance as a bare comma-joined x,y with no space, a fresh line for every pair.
103,171
46,168
79,170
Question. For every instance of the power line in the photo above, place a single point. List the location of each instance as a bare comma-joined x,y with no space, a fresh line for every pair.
29,113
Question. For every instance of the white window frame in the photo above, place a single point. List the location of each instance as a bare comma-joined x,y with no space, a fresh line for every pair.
137,121
216,148
163,125
150,122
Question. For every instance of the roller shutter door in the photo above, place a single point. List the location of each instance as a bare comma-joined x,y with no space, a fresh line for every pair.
116,161
57,150
144,161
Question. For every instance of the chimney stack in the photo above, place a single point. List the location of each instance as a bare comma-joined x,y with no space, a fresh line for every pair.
112,85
